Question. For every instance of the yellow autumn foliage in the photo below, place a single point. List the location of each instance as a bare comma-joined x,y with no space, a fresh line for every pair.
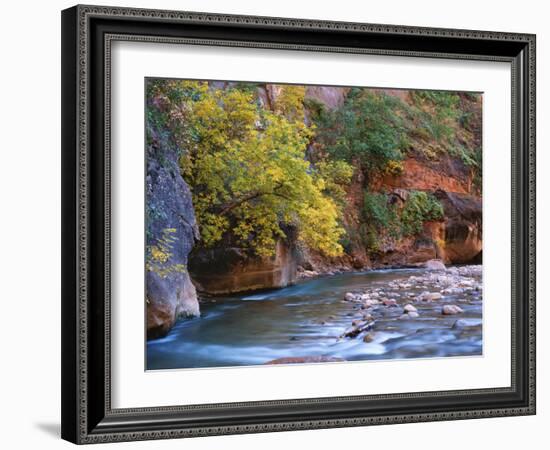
247,170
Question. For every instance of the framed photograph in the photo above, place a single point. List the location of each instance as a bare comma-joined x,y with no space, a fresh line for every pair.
281,224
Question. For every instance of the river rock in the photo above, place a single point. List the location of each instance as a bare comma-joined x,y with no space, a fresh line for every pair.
308,274
349,297
434,264
369,337
448,310
305,359
452,291
409,315
430,296
470,271
389,302
409,308
466,323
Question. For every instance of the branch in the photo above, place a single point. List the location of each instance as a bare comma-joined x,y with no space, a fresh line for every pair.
253,195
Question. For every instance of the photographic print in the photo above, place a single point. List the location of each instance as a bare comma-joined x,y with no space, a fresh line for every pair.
291,224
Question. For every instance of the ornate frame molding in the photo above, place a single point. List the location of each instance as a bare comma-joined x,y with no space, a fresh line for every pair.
80,418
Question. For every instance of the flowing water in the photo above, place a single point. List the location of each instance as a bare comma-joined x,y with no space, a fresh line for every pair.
309,319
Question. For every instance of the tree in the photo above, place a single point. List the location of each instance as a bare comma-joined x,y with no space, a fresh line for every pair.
246,168
369,129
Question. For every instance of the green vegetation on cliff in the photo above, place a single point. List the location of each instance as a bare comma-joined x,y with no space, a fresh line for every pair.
384,217
368,130
376,132
265,159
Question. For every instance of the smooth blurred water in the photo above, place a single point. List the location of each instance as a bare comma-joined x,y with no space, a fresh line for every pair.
308,319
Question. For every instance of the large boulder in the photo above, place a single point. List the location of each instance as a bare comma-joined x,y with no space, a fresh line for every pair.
167,299
171,234
434,264
229,269
463,227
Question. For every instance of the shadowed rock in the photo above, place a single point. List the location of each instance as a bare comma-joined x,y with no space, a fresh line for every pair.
171,226
463,227
229,270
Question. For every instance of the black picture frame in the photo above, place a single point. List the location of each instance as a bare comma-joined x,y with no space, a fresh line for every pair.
87,33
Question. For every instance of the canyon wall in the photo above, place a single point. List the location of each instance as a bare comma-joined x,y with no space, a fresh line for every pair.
178,265
229,270
430,167
171,232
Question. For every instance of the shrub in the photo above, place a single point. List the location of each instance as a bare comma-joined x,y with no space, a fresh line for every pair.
368,129
376,210
420,207
380,218
384,219
471,158
394,168
157,257
336,175
466,155
290,102
437,113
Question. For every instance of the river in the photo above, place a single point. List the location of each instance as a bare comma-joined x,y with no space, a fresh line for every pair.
310,318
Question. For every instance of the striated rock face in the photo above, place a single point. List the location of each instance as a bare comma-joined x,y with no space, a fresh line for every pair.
171,230
427,177
330,96
228,270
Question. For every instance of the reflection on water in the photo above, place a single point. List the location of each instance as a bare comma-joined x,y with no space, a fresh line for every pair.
308,319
